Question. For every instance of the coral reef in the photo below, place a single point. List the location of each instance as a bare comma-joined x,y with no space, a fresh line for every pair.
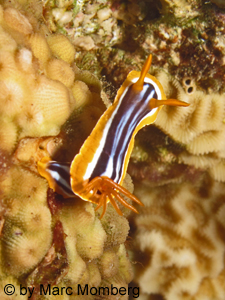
185,37
180,174
200,127
48,107
180,234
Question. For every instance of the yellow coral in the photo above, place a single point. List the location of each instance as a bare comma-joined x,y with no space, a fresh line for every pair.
218,171
209,141
39,47
116,227
30,186
89,232
62,47
32,216
11,97
8,135
6,41
205,113
30,119
91,238
109,264
94,274
200,126
11,282
24,57
77,265
81,94
125,267
58,69
17,21
91,80
22,251
52,98
1,14
7,65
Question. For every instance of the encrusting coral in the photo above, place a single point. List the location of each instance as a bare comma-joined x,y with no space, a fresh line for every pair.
61,47
200,127
179,238
180,235
44,238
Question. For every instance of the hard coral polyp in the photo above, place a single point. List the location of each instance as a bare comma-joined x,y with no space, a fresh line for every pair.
58,69
109,263
32,216
12,97
22,250
6,40
77,265
91,80
17,21
30,121
61,47
81,94
90,241
39,47
52,97
8,135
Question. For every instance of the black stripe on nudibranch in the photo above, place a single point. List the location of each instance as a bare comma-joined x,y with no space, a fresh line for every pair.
60,172
132,108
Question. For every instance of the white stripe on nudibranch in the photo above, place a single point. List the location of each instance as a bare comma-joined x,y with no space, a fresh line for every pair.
98,151
58,178
117,179
55,175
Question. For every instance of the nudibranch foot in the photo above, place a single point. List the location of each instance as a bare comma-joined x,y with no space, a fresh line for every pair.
107,190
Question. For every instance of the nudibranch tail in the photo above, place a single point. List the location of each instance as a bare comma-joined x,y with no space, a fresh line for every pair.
57,175
42,167
139,84
109,191
154,103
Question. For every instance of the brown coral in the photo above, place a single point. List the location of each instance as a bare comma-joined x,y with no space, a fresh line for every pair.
180,230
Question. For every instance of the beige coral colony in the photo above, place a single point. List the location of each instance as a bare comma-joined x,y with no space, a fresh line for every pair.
56,248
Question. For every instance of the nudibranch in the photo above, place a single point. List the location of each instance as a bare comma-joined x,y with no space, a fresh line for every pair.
98,170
